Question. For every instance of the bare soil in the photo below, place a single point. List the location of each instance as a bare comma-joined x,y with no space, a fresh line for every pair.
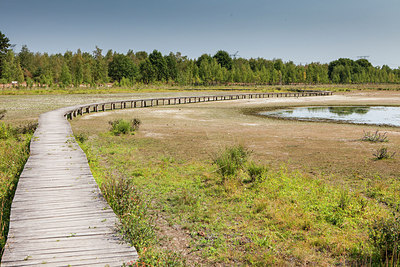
198,130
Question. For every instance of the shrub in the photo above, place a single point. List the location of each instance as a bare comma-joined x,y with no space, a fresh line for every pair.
29,128
132,209
256,172
385,236
375,137
135,124
2,113
230,160
121,126
81,137
7,131
382,153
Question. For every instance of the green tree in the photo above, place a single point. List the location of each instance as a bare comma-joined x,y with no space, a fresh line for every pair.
11,69
203,57
172,66
7,67
147,72
159,64
65,77
100,68
19,74
141,56
77,68
224,59
4,47
26,59
205,74
122,66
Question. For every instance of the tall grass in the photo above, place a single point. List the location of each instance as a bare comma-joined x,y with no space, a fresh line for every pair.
132,209
230,160
385,236
14,152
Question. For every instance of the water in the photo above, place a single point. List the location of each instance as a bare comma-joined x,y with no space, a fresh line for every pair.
377,115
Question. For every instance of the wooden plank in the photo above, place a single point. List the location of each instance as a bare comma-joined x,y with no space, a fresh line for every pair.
58,215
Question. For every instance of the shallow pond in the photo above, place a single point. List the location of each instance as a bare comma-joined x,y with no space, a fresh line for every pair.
377,115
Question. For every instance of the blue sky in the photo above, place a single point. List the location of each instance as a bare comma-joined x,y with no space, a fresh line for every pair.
303,31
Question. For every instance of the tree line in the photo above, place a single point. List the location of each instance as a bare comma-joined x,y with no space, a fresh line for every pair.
97,68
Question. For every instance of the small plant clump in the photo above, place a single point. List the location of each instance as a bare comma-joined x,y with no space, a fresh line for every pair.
121,126
256,172
385,236
2,113
375,137
230,160
382,153
233,161
81,137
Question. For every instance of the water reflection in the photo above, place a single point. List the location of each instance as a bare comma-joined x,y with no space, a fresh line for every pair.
344,111
367,115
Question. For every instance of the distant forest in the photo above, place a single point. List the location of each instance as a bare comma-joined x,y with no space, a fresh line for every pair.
95,68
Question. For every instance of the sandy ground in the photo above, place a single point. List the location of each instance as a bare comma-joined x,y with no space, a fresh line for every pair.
198,130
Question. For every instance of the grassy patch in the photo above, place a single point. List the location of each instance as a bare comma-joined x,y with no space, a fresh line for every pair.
14,151
284,218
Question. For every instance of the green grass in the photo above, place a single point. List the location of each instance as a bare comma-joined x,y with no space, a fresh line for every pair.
14,151
259,216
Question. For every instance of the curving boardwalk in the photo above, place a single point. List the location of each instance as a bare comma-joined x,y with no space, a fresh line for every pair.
58,216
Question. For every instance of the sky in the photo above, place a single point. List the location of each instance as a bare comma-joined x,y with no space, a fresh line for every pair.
302,31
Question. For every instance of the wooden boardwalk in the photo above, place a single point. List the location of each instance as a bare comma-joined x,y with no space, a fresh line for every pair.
58,216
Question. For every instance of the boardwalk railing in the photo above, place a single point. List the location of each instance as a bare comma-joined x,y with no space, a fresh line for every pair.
141,103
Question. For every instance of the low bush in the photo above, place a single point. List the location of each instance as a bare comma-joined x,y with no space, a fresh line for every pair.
121,126
375,137
256,172
7,131
230,160
382,153
28,128
81,137
385,236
